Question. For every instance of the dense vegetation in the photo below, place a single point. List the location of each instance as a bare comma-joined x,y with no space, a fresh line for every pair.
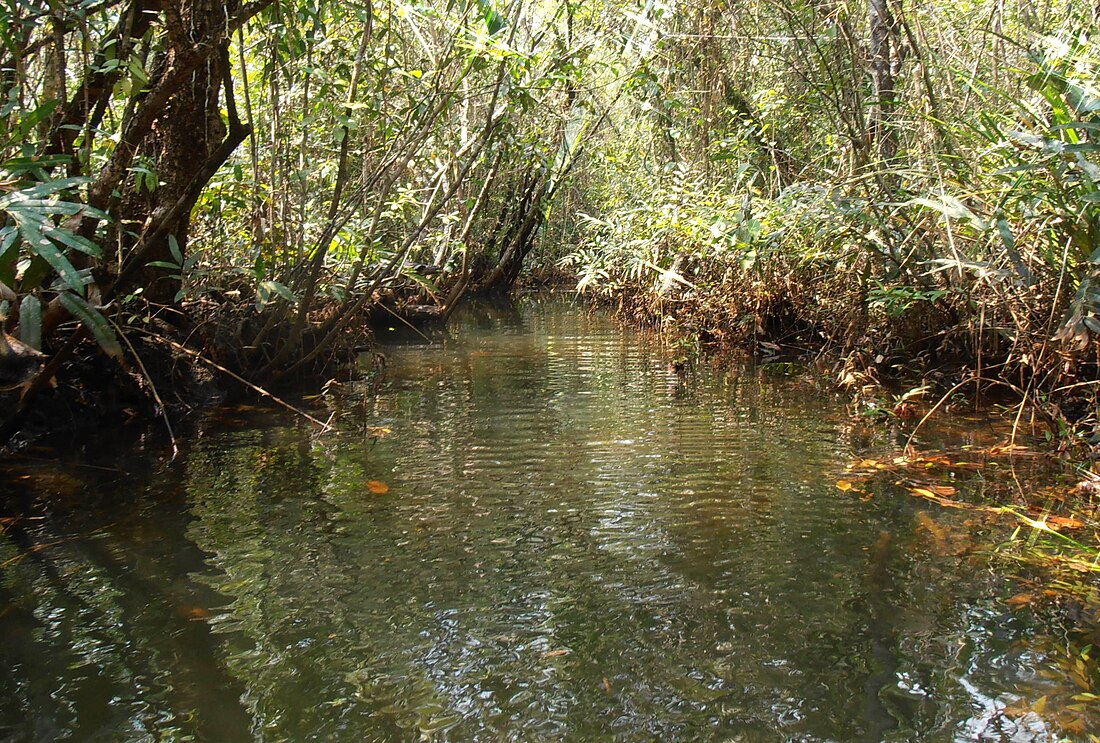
244,183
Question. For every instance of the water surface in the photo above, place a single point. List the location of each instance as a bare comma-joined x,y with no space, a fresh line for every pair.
574,542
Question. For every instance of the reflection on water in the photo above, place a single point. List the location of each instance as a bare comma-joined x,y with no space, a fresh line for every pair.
577,543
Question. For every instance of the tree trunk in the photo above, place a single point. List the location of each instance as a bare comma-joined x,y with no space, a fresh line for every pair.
185,135
505,273
881,132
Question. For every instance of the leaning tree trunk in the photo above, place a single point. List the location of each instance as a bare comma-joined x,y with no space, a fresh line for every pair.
503,276
187,133
172,128
172,137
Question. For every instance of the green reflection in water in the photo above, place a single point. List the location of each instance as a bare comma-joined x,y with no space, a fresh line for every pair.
577,543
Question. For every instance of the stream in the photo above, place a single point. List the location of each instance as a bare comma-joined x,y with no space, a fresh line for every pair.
547,532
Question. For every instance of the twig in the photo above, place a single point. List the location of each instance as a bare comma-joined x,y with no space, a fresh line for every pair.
977,380
1076,385
195,354
152,387
411,326
936,407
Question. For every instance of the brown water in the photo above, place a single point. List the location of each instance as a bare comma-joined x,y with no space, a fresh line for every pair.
576,543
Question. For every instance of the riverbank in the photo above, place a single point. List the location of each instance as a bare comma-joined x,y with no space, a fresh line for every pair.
930,352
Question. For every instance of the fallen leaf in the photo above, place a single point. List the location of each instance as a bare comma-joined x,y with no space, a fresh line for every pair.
867,464
999,449
1020,599
929,495
1064,522
844,485
378,487
1076,725
928,523
555,653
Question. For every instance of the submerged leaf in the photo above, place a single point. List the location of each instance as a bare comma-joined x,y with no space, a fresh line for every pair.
1020,599
378,487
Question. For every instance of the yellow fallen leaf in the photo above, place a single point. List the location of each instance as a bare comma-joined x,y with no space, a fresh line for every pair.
940,500
378,487
555,653
844,485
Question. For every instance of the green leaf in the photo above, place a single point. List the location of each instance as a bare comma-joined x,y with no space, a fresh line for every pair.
138,72
43,247
94,321
951,208
35,165
30,322
494,21
1006,234
274,287
1089,125
1009,241
45,206
33,119
42,189
174,247
74,241
8,237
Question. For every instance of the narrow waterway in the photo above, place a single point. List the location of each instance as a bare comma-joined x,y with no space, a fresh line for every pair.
550,534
